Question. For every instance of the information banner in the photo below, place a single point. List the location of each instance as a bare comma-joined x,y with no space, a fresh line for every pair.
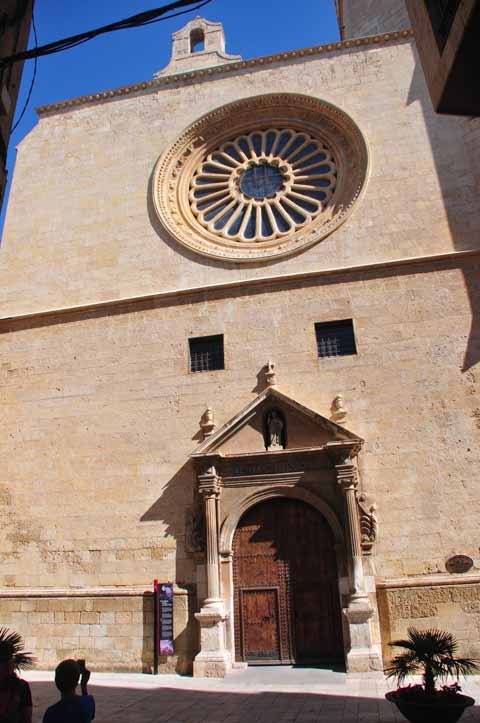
163,593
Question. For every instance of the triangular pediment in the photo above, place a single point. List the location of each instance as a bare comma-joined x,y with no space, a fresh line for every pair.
304,429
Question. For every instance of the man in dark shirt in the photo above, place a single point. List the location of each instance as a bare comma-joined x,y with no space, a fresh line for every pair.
71,708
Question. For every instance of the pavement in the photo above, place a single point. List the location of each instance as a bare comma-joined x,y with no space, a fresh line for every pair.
271,694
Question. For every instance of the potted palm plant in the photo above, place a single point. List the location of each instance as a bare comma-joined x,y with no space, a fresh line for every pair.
432,654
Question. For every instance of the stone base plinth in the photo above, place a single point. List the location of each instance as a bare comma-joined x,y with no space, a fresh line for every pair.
209,667
363,657
213,660
368,660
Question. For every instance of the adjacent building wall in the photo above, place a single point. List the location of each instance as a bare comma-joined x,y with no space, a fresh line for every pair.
15,17
372,17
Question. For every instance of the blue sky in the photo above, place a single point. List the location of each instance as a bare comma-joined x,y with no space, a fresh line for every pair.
252,28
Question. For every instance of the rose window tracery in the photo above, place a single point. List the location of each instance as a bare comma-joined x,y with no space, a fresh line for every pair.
261,178
263,185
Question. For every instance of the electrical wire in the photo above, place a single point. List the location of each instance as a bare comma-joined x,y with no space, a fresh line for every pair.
146,18
33,77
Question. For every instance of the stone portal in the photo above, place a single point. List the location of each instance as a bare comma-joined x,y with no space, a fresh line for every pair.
287,527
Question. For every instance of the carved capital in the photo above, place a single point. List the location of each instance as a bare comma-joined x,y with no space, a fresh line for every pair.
347,476
209,483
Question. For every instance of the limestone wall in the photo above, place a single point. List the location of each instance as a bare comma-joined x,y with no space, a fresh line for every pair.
81,228
102,413
111,633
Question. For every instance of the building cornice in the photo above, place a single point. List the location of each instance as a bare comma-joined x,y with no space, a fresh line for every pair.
150,301
208,73
427,581
87,591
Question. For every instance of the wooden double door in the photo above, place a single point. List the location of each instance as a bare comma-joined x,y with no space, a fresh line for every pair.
286,595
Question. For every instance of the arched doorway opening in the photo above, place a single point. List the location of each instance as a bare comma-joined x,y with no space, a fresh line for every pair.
286,597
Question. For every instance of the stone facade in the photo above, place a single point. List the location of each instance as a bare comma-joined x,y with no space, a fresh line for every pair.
100,493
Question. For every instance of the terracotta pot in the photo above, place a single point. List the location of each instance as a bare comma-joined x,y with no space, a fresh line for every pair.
439,711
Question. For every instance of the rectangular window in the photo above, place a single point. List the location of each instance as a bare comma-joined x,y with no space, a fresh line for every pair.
442,14
206,353
335,338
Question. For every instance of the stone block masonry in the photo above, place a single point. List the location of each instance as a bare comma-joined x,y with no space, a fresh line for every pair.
112,632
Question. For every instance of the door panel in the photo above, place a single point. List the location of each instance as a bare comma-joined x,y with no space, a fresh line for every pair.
286,600
259,610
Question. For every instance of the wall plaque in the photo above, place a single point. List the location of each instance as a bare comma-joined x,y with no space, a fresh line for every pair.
459,564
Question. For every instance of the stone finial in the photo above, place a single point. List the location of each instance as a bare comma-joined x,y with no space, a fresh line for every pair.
199,44
339,412
207,423
270,374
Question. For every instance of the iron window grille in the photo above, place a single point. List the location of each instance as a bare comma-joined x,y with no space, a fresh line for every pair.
206,353
335,338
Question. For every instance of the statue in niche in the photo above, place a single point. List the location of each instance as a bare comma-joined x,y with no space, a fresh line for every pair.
275,431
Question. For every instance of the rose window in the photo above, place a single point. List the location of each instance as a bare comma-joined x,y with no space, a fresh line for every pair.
263,185
260,178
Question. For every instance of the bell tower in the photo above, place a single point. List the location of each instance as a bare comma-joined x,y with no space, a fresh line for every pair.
361,18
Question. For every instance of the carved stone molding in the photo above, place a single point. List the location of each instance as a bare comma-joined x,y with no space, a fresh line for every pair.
188,166
368,522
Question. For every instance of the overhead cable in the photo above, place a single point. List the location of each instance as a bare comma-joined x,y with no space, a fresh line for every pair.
146,18
32,83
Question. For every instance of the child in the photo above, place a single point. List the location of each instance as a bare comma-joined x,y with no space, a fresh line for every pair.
71,708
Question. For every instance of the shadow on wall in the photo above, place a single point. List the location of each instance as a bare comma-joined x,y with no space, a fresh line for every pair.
129,705
180,511
461,202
